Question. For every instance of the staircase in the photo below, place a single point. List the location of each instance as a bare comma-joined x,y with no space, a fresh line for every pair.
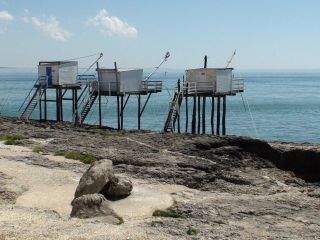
32,100
173,112
87,107
86,101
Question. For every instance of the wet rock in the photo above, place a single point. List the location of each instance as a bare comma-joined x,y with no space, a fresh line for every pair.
95,178
93,205
117,188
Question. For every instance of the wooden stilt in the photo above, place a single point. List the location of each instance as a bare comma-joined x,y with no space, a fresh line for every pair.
61,104
204,103
199,114
203,115
122,112
100,112
224,108
73,101
40,106
139,112
187,109
193,124
118,112
45,104
212,116
178,107
218,116
76,107
57,106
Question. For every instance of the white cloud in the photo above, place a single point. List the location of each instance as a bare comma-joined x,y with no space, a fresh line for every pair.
112,25
6,17
50,26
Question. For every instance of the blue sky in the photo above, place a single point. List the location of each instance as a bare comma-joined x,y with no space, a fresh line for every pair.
269,34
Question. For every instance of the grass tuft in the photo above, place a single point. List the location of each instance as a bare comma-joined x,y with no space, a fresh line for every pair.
36,149
86,158
121,221
192,231
166,213
12,139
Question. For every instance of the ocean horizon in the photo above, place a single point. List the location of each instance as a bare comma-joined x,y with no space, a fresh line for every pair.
277,105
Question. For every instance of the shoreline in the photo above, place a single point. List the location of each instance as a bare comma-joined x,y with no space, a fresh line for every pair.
224,187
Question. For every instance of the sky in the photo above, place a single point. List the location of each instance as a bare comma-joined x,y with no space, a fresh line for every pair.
267,34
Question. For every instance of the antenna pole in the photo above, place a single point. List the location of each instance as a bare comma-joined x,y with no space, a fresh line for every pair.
231,58
156,68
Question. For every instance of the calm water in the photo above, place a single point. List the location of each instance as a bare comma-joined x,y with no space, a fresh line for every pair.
284,105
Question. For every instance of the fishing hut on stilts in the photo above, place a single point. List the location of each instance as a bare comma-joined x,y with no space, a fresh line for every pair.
58,76
201,85
121,84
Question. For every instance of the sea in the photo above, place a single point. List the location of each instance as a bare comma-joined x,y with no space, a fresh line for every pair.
275,106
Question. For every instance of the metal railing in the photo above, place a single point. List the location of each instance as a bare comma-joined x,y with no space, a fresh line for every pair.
85,98
151,86
42,81
198,87
85,78
237,85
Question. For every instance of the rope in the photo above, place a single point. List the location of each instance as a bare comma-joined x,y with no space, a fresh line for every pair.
77,58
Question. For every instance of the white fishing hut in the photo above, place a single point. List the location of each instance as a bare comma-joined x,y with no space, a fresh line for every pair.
216,81
58,73
125,81
120,81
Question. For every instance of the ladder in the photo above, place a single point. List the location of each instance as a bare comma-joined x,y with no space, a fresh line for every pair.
173,112
87,99
34,98
87,107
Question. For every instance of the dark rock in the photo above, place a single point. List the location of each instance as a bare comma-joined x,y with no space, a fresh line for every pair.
93,205
95,178
117,188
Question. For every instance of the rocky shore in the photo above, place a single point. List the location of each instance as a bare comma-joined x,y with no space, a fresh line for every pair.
207,187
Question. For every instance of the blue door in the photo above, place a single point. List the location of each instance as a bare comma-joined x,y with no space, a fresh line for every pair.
49,75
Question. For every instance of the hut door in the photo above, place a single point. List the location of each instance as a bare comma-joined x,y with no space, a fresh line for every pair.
49,75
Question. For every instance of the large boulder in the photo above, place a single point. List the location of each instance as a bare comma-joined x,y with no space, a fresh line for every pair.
97,185
93,205
117,188
95,178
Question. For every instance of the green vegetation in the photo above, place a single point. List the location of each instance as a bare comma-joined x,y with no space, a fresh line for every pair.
12,139
166,213
36,149
192,231
121,221
83,157
60,153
